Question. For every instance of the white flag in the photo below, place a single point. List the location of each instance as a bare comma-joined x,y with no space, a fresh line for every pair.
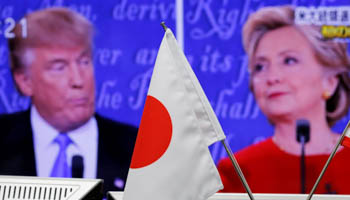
171,159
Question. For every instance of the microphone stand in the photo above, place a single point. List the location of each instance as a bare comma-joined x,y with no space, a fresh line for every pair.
303,136
302,165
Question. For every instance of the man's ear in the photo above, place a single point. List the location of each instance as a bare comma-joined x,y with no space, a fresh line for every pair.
24,82
330,83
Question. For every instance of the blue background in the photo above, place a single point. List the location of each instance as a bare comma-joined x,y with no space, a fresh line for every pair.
128,35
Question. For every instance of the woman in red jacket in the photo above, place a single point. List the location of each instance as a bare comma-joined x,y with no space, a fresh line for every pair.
295,73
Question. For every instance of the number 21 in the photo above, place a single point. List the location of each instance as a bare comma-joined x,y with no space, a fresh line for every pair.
11,25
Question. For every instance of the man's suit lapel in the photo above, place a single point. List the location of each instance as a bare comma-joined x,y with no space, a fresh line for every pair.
108,167
115,147
19,148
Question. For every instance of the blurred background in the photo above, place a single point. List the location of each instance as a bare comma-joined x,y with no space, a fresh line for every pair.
127,38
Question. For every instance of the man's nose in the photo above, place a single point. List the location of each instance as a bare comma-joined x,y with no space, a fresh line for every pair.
76,76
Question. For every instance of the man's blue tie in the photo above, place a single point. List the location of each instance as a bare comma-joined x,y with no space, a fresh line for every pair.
60,168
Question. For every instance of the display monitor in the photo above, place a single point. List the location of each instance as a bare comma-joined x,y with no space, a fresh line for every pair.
38,188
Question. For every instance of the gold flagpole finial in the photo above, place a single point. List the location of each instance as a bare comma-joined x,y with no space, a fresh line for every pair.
164,26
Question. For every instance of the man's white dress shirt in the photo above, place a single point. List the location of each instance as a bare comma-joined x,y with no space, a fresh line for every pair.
84,143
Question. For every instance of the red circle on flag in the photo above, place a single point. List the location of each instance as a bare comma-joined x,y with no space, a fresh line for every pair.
154,134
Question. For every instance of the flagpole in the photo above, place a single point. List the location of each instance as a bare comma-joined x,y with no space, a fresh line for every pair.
238,169
164,26
328,161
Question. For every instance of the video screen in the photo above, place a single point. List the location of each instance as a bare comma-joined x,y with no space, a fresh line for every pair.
286,64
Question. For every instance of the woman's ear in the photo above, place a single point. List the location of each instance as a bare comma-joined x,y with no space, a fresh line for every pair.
23,82
330,83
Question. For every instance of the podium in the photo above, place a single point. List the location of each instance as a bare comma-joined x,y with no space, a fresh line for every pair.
243,196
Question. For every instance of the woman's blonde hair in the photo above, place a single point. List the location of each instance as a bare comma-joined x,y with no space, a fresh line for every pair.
329,53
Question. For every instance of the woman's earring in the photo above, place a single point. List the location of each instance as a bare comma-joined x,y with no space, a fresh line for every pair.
326,95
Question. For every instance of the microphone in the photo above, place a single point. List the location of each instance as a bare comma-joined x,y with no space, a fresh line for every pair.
303,131
77,166
303,136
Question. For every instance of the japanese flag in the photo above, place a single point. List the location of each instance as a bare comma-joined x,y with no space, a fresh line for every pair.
171,159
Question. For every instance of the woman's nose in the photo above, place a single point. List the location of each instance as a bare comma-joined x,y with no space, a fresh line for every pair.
274,75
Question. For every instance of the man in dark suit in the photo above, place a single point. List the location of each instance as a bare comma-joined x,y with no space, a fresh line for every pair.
52,64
